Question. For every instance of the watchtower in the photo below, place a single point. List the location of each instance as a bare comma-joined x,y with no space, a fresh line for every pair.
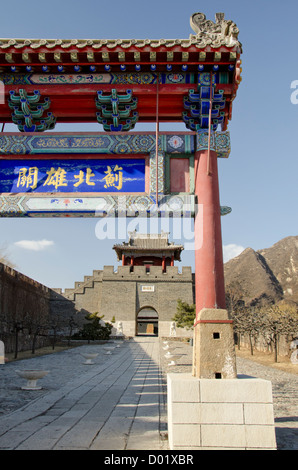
148,250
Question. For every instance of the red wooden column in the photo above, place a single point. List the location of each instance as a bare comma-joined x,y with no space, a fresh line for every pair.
209,271
163,264
214,351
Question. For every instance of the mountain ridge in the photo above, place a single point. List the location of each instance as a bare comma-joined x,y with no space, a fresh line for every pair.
267,275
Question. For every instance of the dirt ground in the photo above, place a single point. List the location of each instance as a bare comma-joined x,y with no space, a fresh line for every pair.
39,352
283,362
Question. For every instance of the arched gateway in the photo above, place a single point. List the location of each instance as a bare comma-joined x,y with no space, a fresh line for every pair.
147,322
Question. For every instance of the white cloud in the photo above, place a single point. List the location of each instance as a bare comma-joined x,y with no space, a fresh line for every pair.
231,250
34,245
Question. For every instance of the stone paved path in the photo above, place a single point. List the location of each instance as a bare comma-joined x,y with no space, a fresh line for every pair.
116,404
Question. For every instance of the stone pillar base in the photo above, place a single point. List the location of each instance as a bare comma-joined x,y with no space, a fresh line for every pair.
208,414
214,354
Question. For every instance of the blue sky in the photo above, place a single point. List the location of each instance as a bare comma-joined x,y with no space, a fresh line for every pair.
259,180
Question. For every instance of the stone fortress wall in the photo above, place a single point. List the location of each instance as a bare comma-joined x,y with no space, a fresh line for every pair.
20,298
120,295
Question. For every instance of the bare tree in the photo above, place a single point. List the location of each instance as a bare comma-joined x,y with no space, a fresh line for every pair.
36,324
279,319
236,307
16,319
56,324
72,324
253,325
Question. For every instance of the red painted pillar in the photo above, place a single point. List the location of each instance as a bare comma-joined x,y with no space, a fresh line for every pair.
163,264
209,271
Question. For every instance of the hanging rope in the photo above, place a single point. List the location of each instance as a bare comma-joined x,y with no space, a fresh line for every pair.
157,136
209,169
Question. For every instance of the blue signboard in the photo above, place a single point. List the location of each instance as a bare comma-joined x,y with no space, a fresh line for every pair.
73,176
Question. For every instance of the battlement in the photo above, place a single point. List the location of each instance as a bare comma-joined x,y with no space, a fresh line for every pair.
20,277
134,273
81,286
127,273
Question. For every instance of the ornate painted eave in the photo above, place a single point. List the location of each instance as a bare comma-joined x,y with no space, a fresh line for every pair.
175,250
115,83
73,74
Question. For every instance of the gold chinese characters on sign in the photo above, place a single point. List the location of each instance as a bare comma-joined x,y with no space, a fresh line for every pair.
57,177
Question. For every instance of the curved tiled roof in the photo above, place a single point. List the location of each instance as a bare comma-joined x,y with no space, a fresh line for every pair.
199,42
222,33
139,243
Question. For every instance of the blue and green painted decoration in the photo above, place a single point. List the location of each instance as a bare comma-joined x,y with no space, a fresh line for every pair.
116,112
197,105
28,111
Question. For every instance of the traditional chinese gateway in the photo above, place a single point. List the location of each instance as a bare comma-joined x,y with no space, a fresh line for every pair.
117,171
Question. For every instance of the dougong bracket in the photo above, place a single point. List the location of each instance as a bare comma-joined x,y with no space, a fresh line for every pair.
28,111
197,105
116,112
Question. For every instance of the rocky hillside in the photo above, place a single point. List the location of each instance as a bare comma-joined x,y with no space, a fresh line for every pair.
266,275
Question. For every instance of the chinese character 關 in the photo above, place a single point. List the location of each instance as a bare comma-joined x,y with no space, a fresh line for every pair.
28,177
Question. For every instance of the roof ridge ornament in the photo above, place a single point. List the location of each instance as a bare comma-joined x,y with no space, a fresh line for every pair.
221,33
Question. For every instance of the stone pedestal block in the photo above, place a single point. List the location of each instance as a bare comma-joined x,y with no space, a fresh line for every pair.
214,350
209,414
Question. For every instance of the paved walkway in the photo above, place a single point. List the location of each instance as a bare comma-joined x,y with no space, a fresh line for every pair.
115,404
119,403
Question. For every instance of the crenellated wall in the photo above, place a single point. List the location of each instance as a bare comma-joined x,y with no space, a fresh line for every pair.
117,295
24,306
120,295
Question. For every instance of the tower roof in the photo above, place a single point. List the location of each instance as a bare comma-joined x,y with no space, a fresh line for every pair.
144,244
